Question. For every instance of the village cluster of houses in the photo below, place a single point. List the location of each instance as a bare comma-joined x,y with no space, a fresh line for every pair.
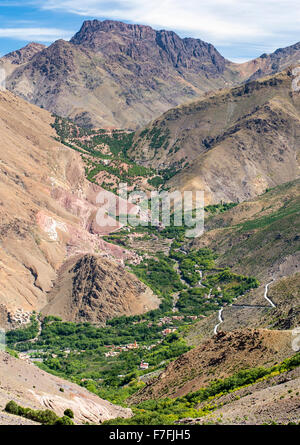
144,365
115,350
169,320
168,331
28,356
19,317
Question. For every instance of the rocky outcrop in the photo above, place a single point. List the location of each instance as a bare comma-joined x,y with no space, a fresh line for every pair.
25,54
96,289
144,44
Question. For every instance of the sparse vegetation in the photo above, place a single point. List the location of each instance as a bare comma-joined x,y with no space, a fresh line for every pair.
23,334
167,411
46,417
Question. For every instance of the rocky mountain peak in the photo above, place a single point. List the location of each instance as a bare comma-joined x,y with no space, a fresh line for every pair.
93,30
25,54
141,41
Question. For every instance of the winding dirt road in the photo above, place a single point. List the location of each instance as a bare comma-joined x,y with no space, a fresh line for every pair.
220,318
266,295
220,321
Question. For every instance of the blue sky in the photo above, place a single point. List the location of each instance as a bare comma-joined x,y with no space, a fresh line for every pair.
240,29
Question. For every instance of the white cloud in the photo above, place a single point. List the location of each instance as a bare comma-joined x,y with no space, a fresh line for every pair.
239,59
38,34
222,22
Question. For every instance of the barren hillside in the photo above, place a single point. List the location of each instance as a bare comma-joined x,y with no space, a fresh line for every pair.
47,208
218,357
272,401
272,63
30,387
114,74
233,144
259,236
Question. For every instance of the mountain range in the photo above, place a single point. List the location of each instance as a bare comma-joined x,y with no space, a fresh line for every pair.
182,330
112,74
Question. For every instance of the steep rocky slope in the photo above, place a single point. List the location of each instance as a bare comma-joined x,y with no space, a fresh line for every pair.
31,387
218,357
285,294
23,55
116,74
272,401
95,289
232,144
259,236
268,64
47,208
